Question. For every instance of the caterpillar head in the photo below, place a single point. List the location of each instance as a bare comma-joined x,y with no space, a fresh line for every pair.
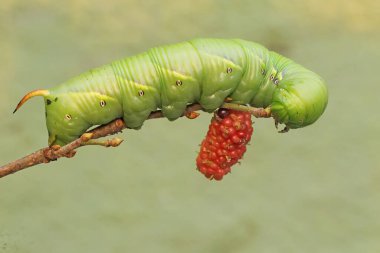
299,99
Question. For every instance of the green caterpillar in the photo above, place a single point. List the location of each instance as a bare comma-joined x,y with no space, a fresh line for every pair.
204,71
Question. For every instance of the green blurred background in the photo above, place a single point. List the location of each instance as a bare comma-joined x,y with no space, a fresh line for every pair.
312,190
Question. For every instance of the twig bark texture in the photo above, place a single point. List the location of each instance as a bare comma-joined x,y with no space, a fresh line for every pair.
47,154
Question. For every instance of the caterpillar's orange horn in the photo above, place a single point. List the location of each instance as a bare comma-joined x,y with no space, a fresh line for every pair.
30,95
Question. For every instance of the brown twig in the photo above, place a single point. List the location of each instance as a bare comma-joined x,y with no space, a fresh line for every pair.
53,153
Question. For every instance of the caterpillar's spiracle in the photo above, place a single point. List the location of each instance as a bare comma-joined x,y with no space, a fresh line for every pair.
204,71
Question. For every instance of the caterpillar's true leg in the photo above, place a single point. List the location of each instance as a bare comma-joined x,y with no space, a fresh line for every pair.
285,130
276,123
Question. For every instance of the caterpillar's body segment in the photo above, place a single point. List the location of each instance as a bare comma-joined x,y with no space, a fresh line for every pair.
204,71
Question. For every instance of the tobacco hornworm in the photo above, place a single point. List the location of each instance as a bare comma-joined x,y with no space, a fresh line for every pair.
204,71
